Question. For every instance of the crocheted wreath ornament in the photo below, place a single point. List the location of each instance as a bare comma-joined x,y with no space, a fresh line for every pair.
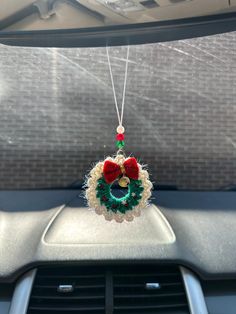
129,174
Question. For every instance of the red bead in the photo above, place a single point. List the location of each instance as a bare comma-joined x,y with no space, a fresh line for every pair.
120,137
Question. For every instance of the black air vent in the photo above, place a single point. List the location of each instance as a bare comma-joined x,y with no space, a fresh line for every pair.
136,290
123,289
88,295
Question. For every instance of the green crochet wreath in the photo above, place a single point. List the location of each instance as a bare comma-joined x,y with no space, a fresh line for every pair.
123,204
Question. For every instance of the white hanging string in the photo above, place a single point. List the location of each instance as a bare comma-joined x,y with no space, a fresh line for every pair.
119,115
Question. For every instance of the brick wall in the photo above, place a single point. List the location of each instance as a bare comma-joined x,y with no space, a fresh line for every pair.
57,113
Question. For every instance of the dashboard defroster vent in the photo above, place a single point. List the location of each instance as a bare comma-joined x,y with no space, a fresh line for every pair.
121,289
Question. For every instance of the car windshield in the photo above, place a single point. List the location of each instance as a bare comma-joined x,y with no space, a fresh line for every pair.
58,116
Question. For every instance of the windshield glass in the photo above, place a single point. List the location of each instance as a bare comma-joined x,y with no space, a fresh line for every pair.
57,113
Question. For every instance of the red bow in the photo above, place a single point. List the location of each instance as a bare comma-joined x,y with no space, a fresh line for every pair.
112,171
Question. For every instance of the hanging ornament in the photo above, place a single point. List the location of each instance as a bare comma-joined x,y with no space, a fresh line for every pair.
127,172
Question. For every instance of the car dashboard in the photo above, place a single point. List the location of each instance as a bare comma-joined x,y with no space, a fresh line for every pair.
183,238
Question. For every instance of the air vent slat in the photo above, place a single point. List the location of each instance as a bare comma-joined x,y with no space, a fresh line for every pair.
137,296
76,286
43,311
146,307
71,276
136,285
147,274
87,297
68,309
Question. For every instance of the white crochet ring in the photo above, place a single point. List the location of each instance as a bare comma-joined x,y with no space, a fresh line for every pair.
139,191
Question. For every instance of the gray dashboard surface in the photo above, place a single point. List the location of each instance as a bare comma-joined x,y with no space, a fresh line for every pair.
37,227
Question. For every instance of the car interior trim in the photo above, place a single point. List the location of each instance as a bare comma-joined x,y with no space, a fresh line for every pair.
194,292
21,295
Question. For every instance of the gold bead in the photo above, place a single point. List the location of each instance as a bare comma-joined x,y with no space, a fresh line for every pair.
124,182
122,168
